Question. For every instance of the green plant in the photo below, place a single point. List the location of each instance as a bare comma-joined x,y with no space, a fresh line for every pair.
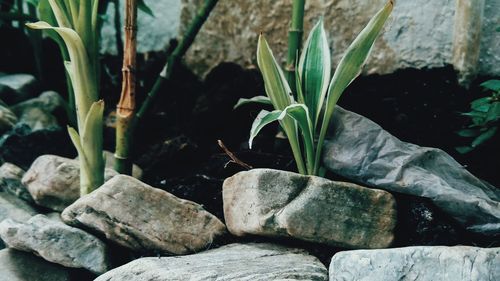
316,93
294,41
76,22
485,117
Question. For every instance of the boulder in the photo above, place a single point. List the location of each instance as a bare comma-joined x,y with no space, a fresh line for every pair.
10,181
15,88
7,119
56,242
37,113
54,181
257,262
459,263
360,150
284,204
143,218
11,207
22,266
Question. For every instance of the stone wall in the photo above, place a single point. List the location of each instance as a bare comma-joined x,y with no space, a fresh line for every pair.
419,34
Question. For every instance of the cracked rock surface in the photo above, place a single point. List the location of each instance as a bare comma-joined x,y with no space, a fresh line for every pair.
54,181
283,204
256,262
145,219
417,263
22,266
56,242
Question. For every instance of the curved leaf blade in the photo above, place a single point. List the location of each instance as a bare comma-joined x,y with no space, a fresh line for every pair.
257,99
263,119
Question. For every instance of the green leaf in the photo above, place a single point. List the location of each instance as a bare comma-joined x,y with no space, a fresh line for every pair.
141,5
464,149
468,133
257,99
277,87
493,85
92,129
484,136
33,2
263,119
314,70
480,102
494,112
75,138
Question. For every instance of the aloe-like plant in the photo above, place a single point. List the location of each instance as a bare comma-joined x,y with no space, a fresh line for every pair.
76,22
317,93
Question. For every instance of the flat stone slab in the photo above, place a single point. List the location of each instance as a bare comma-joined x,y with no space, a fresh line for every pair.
54,181
283,204
459,263
360,150
22,266
56,242
256,262
145,219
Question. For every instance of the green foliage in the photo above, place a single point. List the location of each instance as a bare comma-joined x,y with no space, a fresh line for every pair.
485,117
317,93
76,24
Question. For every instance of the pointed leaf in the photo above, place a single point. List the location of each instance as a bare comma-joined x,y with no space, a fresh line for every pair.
257,99
263,119
493,85
493,112
468,133
314,70
484,136
464,149
141,5
277,87
61,13
75,138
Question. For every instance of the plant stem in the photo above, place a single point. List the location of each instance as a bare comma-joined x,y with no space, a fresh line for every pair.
126,106
294,41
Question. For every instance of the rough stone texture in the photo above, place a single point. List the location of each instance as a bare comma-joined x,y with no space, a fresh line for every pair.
419,34
54,181
360,150
256,262
21,86
154,33
22,266
56,242
10,181
284,204
37,113
417,263
7,119
12,207
110,162
143,218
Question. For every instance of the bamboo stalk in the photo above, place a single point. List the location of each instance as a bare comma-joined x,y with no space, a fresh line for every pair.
126,106
122,155
294,41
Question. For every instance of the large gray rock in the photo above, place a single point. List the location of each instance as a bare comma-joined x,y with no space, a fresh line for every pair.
10,181
37,113
54,181
18,87
154,33
417,263
7,119
419,34
143,218
11,207
362,151
22,266
284,204
56,242
256,262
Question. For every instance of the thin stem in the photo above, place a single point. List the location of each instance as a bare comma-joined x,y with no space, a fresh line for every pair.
126,106
294,41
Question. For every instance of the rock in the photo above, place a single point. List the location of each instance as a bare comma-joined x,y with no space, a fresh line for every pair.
21,146
17,87
257,262
56,242
142,218
284,204
154,32
419,34
21,266
360,150
54,181
37,113
12,207
7,119
49,101
417,263
10,181
110,163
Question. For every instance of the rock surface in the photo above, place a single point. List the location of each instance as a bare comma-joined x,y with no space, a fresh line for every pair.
7,119
142,218
37,113
360,150
284,204
22,266
56,242
12,207
20,87
256,262
54,181
10,181
419,34
417,263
